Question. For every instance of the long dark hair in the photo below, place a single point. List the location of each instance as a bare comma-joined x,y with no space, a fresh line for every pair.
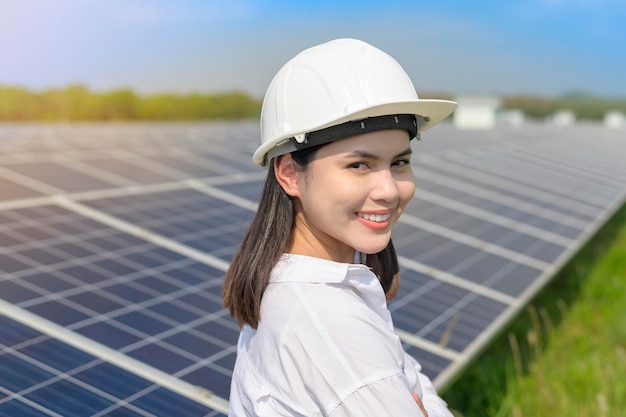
267,239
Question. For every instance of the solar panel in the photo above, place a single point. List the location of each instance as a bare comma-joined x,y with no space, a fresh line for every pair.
114,240
43,376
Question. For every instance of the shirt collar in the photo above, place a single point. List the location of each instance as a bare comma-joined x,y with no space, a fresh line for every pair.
302,268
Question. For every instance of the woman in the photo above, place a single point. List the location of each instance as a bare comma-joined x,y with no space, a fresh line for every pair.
309,282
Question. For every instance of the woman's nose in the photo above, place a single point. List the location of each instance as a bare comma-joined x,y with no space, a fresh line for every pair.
385,186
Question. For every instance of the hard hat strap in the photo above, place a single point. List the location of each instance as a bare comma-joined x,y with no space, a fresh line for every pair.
406,122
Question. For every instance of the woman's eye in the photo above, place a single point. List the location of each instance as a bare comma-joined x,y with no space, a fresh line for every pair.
401,162
358,165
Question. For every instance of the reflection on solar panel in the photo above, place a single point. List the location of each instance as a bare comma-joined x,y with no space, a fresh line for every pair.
114,240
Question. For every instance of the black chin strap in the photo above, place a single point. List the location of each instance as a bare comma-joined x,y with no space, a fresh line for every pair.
406,122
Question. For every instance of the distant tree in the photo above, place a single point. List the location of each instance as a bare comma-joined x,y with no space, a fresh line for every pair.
18,104
237,105
584,105
118,105
532,106
78,103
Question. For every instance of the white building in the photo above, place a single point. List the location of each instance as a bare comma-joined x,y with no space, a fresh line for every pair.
614,119
476,112
512,118
562,118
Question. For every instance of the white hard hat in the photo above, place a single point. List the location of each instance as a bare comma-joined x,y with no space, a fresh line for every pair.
333,83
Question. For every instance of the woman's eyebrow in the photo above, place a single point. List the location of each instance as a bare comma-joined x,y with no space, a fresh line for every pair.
407,151
367,155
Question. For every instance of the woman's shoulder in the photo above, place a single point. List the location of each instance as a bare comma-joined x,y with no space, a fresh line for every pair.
310,312
336,328
302,303
325,333
303,268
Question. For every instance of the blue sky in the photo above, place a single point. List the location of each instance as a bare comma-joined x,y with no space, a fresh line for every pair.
546,47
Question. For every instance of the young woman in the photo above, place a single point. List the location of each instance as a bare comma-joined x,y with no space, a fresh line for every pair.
310,281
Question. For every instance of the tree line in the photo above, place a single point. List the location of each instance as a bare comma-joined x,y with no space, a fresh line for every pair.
584,106
77,103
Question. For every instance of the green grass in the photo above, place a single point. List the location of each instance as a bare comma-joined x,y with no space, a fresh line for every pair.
565,355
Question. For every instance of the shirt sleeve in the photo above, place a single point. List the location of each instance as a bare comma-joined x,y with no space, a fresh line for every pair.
386,397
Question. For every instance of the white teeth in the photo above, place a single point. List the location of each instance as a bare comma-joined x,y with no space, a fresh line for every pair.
375,217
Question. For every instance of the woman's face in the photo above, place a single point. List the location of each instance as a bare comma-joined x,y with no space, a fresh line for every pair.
351,195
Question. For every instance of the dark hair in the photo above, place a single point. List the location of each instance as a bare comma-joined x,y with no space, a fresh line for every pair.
265,242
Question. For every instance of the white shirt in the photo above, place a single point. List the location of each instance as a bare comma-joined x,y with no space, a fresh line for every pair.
325,346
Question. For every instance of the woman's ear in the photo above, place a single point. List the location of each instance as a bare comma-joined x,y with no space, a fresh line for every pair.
287,174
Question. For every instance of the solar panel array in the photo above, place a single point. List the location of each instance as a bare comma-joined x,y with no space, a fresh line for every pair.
114,240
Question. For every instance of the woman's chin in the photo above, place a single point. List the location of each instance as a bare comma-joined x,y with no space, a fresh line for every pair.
372,248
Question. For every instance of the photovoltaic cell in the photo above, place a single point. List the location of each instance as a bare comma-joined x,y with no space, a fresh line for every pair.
426,307
505,188
9,190
249,190
432,364
60,176
487,231
129,170
464,261
506,210
190,217
184,165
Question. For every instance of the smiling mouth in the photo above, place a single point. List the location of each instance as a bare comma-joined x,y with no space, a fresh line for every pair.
378,218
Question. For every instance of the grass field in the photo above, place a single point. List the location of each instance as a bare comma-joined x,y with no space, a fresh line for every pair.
565,355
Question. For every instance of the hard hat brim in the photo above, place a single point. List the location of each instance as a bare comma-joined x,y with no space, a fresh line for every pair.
430,112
